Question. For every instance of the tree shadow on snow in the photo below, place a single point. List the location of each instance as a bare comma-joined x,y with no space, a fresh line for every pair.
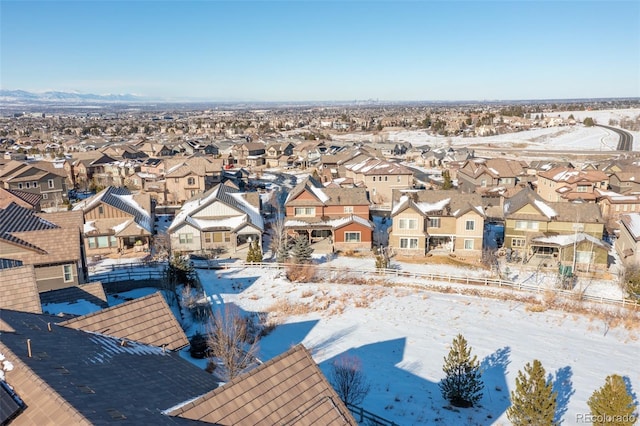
284,336
563,385
494,376
406,395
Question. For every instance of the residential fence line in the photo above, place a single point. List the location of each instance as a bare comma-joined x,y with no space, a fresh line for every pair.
361,415
136,272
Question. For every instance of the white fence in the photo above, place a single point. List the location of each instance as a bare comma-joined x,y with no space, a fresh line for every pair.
141,272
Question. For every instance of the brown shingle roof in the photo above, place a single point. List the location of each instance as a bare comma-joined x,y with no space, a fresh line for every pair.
146,320
18,290
288,389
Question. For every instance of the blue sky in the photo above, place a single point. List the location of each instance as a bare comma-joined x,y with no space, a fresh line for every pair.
324,50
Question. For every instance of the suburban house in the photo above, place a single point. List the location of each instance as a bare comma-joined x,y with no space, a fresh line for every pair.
222,221
248,154
189,177
613,205
530,222
436,222
117,221
39,178
277,153
627,181
628,242
51,242
482,174
567,184
380,177
339,215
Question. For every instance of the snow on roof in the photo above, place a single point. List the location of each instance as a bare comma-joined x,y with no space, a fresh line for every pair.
112,346
229,222
88,227
128,199
334,223
400,205
121,226
565,175
433,207
174,168
632,223
544,208
6,365
318,192
249,209
494,171
569,239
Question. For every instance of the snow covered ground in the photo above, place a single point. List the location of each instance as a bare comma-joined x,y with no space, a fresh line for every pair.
401,335
575,137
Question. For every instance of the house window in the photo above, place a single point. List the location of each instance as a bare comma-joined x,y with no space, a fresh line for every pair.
518,242
386,178
186,238
408,243
374,178
468,244
434,222
92,243
68,273
408,224
191,181
305,211
526,225
45,196
34,184
483,183
51,185
348,209
176,180
470,225
19,186
398,178
352,237
583,188
27,185
100,210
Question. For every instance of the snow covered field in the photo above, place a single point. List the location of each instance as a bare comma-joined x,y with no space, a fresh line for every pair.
402,335
554,138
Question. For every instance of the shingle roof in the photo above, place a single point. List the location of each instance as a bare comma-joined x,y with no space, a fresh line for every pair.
75,377
450,202
122,199
146,320
32,199
239,201
18,289
288,389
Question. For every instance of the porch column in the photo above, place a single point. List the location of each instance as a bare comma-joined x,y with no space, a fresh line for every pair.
453,244
426,247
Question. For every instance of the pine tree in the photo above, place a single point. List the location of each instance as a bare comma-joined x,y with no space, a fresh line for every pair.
282,254
447,184
533,401
254,254
612,401
462,386
301,250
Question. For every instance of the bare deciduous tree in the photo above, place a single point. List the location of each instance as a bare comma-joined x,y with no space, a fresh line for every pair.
231,343
348,379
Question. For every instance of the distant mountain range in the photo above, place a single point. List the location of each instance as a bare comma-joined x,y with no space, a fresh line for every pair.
71,97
